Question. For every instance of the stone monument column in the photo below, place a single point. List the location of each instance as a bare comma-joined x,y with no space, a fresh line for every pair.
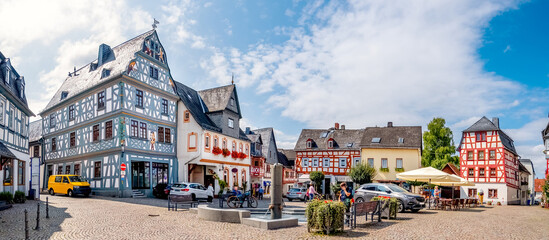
276,192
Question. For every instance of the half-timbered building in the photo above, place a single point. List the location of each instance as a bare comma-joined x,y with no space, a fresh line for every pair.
36,149
14,130
211,145
545,137
332,151
489,159
113,120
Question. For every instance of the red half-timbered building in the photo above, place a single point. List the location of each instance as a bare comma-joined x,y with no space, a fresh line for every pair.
332,151
489,159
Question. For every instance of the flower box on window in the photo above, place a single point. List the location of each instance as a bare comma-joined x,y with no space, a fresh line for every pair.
242,155
384,169
234,155
226,152
217,150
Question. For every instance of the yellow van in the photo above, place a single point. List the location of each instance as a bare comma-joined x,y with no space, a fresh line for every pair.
68,184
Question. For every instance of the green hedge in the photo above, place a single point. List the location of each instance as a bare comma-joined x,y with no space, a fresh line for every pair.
19,197
325,216
7,197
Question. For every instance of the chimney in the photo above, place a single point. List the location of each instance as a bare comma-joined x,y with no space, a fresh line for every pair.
495,120
389,124
342,127
336,126
248,131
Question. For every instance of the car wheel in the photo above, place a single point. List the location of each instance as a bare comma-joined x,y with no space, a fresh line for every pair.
86,195
52,192
401,206
415,210
193,196
359,200
70,193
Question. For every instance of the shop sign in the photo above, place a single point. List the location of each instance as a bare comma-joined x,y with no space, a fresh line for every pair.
255,171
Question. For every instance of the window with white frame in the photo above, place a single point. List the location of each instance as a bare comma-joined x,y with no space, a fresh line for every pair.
230,123
371,162
399,163
384,163
342,162
315,162
304,162
326,162
357,161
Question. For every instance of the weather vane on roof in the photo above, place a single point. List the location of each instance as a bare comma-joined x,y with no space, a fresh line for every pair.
155,22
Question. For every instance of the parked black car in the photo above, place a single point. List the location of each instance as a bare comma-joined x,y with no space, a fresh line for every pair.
161,190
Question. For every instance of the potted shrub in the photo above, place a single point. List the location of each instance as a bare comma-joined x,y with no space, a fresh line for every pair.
7,197
489,203
19,197
389,206
325,216
499,203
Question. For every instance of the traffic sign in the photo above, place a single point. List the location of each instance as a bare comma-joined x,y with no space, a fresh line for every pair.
123,167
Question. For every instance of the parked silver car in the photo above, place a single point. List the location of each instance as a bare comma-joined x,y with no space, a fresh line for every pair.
407,200
296,193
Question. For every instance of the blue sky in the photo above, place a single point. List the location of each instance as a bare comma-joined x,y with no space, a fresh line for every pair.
308,64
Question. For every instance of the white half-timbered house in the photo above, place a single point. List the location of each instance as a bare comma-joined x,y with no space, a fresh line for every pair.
211,144
488,158
14,130
118,111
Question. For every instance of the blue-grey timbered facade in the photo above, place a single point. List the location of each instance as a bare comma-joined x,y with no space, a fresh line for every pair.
14,130
118,110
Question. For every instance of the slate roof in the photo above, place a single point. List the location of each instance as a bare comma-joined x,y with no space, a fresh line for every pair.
5,152
538,183
196,106
341,137
283,159
85,79
255,138
289,153
13,88
265,137
389,137
217,99
35,130
545,132
484,124
198,109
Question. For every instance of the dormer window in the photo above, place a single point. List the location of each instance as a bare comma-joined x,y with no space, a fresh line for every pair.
331,144
105,73
232,101
376,140
309,144
400,140
230,123
64,95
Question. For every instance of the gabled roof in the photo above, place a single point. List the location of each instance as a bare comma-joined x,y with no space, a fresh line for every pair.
217,99
320,137
35,130
289,153
85,78
484,124
389,137
538,183
283,159
450,169
195,105
13,88
522,168
266,134
255,138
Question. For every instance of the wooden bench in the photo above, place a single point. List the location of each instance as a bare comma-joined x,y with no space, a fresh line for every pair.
363,209
175,200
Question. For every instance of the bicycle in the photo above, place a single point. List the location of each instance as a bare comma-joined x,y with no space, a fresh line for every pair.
238,202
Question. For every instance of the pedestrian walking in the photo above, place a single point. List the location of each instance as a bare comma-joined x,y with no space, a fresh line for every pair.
260,193
311,192
210,192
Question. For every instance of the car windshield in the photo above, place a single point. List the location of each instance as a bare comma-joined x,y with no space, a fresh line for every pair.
294,190
180,185
396,188
76,179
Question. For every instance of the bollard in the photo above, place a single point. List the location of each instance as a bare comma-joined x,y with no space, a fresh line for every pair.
37,217
47,208
26,226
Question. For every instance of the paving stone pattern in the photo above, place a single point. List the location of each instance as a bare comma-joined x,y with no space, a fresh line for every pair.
115,218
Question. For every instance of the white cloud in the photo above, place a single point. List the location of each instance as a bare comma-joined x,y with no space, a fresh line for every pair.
534,153
507,49
530,132
373,62
285,141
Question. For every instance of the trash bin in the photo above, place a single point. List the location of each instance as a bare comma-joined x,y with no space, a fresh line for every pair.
32,193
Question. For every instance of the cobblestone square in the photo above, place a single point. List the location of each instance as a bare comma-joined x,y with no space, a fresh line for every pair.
146,218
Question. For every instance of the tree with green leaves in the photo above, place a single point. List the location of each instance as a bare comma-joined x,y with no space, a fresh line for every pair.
317,177
438,145
362,173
